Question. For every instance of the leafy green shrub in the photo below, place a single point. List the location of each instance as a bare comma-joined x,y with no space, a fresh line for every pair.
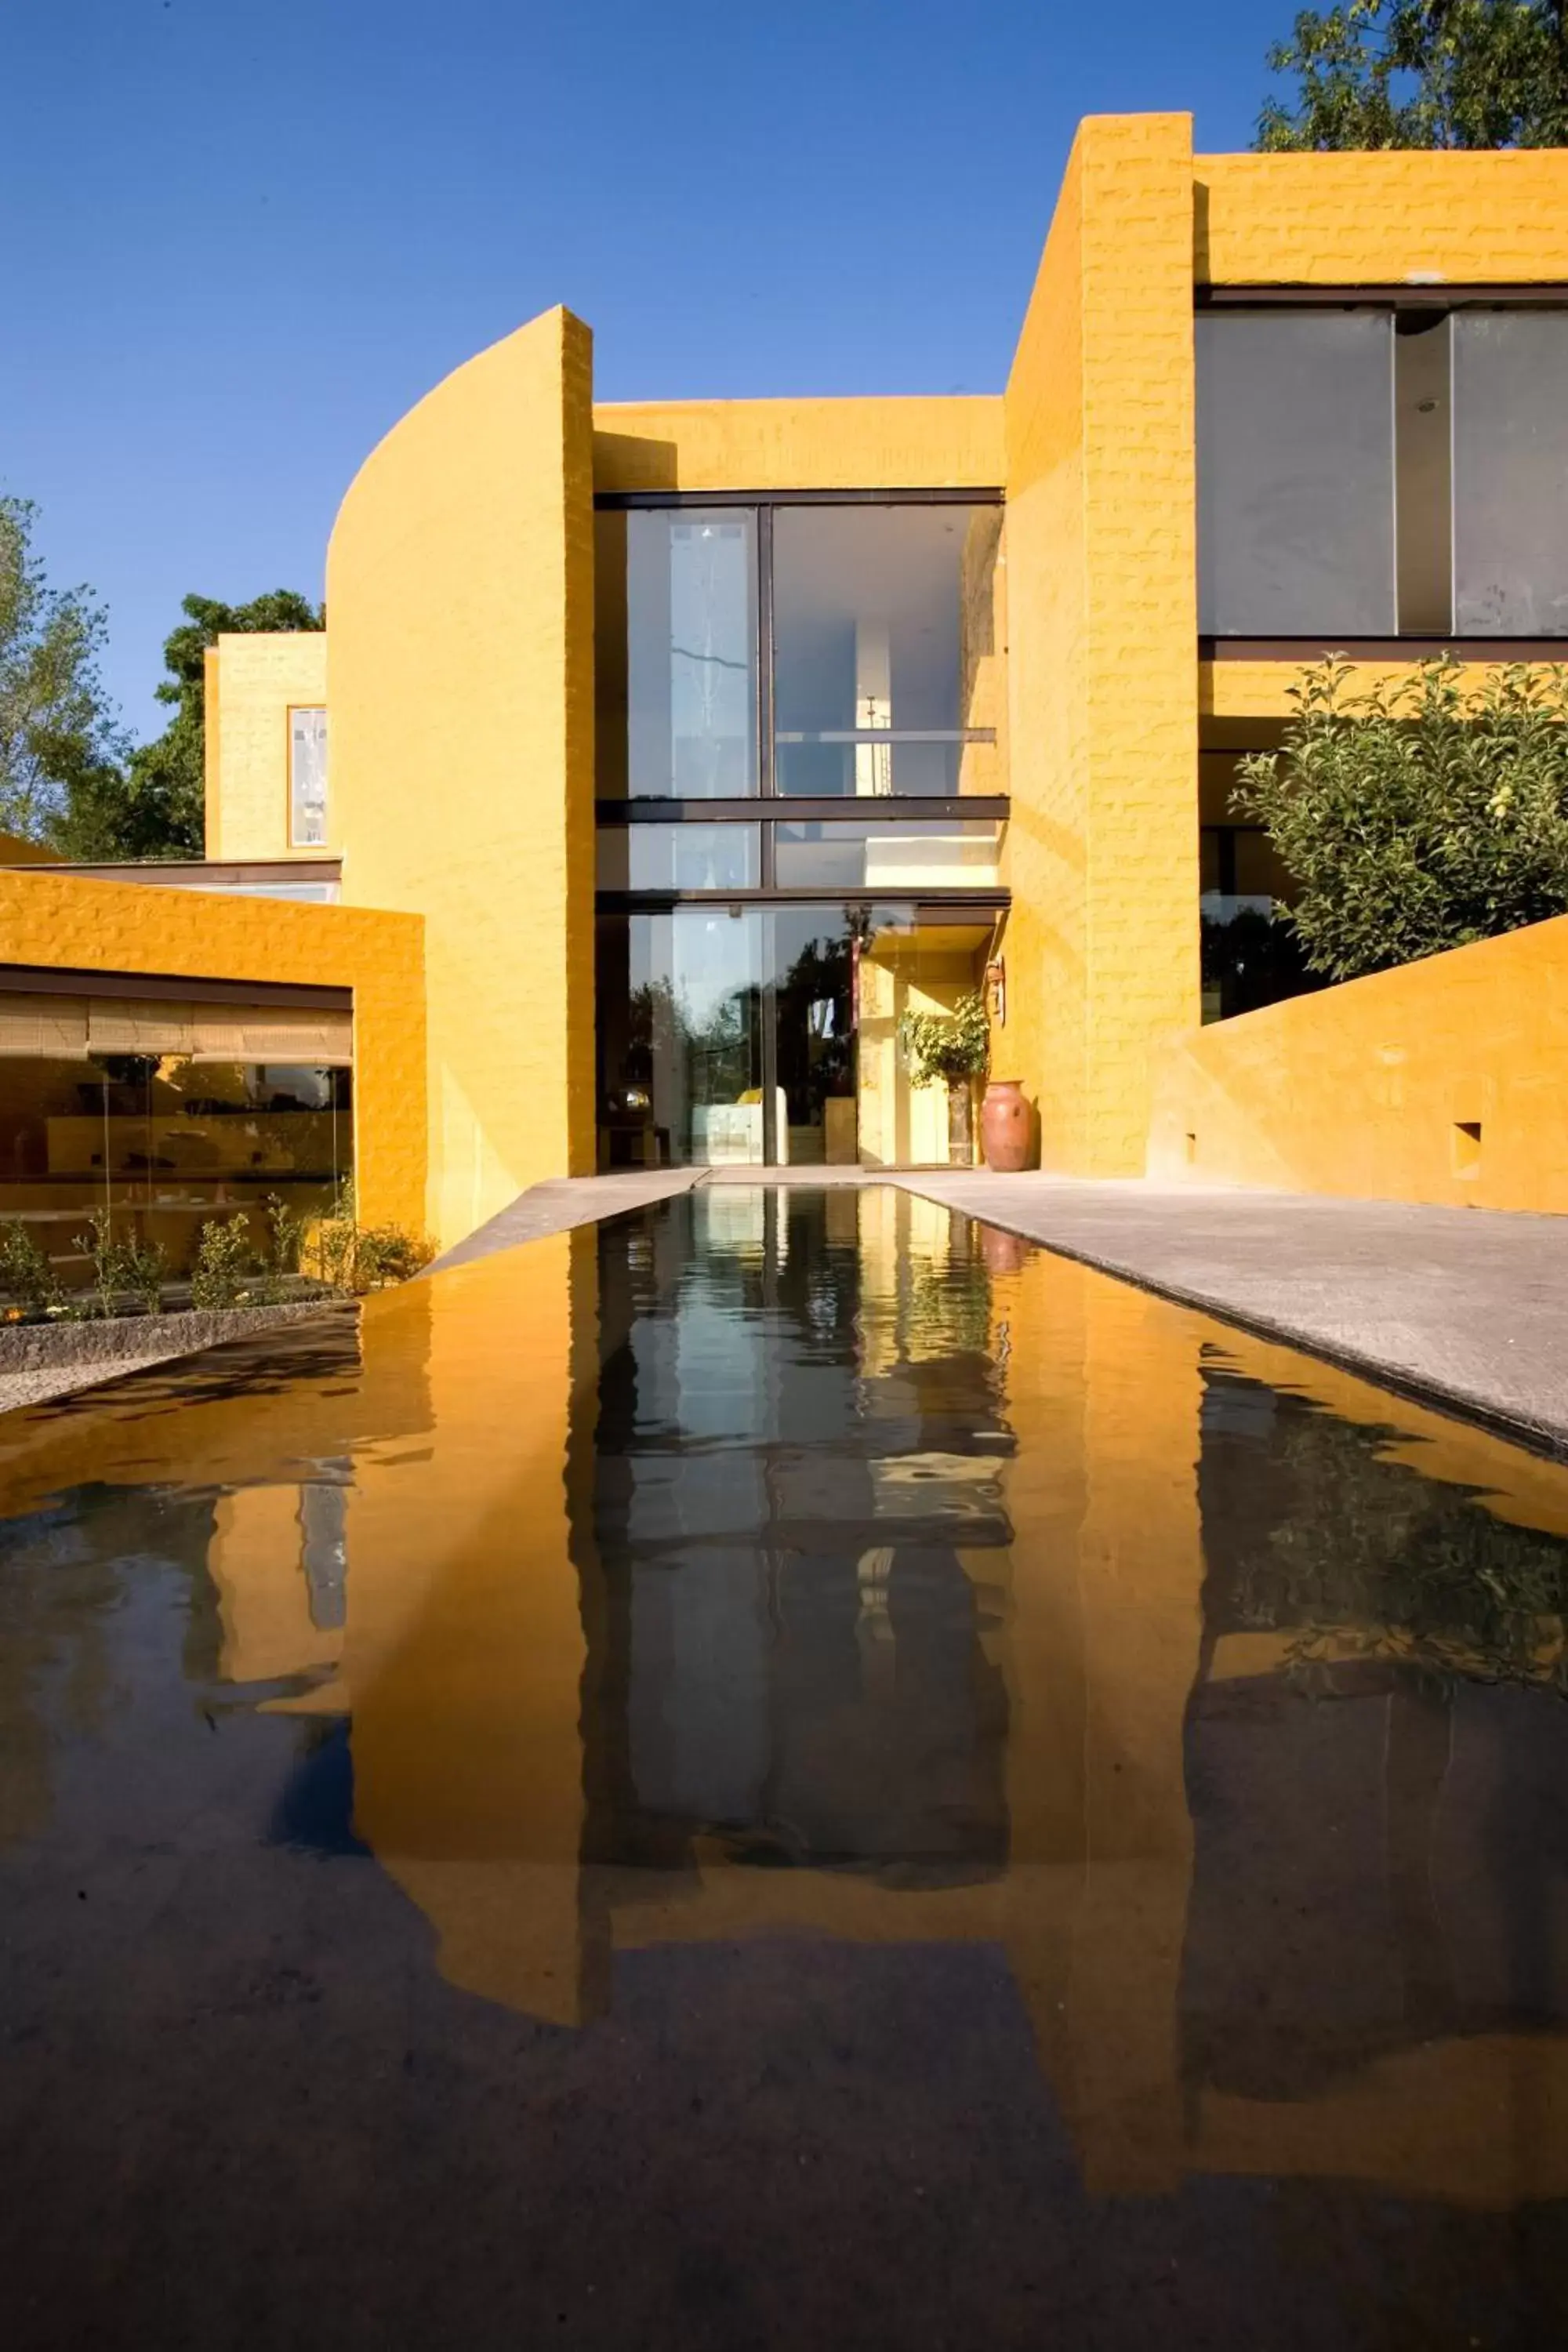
287,1235
224,1264
1416,816
142,1270
949,1047
355,1258
26,1272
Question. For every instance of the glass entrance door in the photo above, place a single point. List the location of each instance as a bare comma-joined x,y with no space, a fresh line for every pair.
772,1035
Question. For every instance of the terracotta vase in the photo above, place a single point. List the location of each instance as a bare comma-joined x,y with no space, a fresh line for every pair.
1005,1126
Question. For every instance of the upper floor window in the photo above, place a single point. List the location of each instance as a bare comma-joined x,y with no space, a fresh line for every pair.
842,649
1369,472
307,778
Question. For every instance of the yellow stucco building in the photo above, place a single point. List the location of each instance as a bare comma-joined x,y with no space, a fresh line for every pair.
573,793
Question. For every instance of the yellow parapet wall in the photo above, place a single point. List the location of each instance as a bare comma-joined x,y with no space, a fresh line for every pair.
1392,219
1441,1082
63,921
954,443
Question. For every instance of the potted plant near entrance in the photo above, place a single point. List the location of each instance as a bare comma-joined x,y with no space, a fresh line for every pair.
955,1048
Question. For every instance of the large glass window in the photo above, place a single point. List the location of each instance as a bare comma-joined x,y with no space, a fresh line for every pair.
1510,473
882,670
703,1010
855,854
677,653
679,857
886,673
307,778
167,1114
1295,458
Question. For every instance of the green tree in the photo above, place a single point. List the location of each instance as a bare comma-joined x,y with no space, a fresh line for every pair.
1414,817
157,809
1422,73
59,746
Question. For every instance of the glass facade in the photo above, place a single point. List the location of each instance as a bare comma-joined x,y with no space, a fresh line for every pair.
885,650
759,666
769,1035
1368,472
677,653
879,675
167,1114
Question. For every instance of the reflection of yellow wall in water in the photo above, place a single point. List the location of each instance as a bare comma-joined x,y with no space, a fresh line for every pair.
464,1652
256,1560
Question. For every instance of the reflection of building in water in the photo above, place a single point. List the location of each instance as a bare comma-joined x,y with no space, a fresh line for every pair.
786,1655
963,1599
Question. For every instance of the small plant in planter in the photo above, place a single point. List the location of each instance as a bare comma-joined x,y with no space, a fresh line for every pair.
953,1048
26,1273
223,1266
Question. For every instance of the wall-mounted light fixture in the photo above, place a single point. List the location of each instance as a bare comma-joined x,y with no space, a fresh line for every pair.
997,992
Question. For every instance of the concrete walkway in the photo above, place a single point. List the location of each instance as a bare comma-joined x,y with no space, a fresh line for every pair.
566,1201
1466,1308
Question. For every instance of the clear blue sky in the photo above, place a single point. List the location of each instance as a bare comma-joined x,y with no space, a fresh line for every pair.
241,239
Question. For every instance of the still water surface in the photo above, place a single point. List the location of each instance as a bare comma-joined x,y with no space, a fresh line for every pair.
786,1770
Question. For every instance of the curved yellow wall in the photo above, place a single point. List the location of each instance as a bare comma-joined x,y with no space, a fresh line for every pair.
1364,1090
459,585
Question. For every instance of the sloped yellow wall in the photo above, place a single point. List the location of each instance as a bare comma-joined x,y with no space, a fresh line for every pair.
1362,1089
459,584
1101,945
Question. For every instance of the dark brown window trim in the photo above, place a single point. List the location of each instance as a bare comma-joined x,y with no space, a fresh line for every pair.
655,902
634,501
1306,650
1543,293
46,979
785,808
167,872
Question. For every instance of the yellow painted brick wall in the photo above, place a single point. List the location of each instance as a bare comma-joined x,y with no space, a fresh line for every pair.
1261,690
799,444
1101,945
1381,219
253,681
460,684
1360,1090
125,927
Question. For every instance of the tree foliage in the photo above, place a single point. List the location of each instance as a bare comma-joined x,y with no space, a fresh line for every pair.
157,808
59,741
1422,73
948,1046
1416,817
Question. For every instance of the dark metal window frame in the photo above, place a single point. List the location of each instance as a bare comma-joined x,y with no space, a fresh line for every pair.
1543,295
762,504
46,979
768,807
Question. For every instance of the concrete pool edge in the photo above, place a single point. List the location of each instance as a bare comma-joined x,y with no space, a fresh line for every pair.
1518,1391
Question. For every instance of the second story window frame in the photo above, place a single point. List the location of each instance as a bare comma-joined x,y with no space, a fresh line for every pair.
1436,589
308,777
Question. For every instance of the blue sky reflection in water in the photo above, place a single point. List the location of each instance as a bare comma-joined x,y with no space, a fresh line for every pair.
789,1769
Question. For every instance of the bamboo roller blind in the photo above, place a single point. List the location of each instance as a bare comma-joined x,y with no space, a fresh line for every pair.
69,1028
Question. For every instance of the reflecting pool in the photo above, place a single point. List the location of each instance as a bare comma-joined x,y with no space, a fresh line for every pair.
788,1770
